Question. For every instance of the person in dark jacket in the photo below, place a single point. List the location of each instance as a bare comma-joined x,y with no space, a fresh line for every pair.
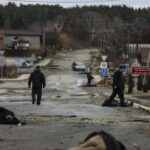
37,79
89,76
118,88
74,66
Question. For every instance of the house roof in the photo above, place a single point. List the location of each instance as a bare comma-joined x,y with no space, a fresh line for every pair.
22,32
139,45
144,54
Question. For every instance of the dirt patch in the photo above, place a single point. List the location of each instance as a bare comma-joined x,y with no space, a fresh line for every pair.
3,91
143,97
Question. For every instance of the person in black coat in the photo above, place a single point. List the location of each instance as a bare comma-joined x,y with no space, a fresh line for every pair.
118,87
89,78
37,79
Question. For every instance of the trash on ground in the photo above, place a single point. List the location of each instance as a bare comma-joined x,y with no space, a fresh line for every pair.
136,106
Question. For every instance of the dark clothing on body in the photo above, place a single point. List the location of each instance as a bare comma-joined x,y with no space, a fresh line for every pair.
37,79
118,80
111,142
89,78
8,117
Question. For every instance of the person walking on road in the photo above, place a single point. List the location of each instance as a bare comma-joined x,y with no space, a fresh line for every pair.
37,79
118,88
89,76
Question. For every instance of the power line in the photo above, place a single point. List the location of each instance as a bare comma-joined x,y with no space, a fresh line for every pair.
60,2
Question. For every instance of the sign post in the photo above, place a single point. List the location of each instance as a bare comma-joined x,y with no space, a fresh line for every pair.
18,65
33,58
104,69
148,61
104,72
2,63
135,64
141,70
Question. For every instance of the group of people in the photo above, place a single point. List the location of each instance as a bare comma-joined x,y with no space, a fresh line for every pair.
37,79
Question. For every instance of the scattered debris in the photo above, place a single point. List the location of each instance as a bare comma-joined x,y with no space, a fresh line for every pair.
58,96
105,82
136,146
91,85
51,67
147,109
95,95
85,119
136,105
80,94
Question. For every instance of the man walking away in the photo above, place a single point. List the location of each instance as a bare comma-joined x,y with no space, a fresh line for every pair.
118,88
89,76
37,79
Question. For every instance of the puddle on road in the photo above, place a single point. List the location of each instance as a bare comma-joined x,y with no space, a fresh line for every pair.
80,94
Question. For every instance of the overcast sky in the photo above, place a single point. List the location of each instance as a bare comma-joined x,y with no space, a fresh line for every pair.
71,3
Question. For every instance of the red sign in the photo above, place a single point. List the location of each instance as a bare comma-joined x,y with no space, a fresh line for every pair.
141,70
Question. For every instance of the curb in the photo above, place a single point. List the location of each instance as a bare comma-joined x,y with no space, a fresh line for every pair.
138,106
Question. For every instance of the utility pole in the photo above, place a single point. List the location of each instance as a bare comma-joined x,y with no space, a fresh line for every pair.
147,65
44,48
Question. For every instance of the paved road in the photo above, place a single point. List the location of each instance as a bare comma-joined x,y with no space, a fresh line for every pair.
68,112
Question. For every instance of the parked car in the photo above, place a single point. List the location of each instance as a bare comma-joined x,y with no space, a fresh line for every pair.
27,64
78,66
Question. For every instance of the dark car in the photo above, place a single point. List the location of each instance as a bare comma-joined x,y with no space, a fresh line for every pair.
27,64
78,66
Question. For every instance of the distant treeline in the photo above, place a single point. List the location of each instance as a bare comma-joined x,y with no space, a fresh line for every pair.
103,26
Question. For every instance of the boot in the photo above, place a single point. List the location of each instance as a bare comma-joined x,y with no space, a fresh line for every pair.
123,104
106,103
